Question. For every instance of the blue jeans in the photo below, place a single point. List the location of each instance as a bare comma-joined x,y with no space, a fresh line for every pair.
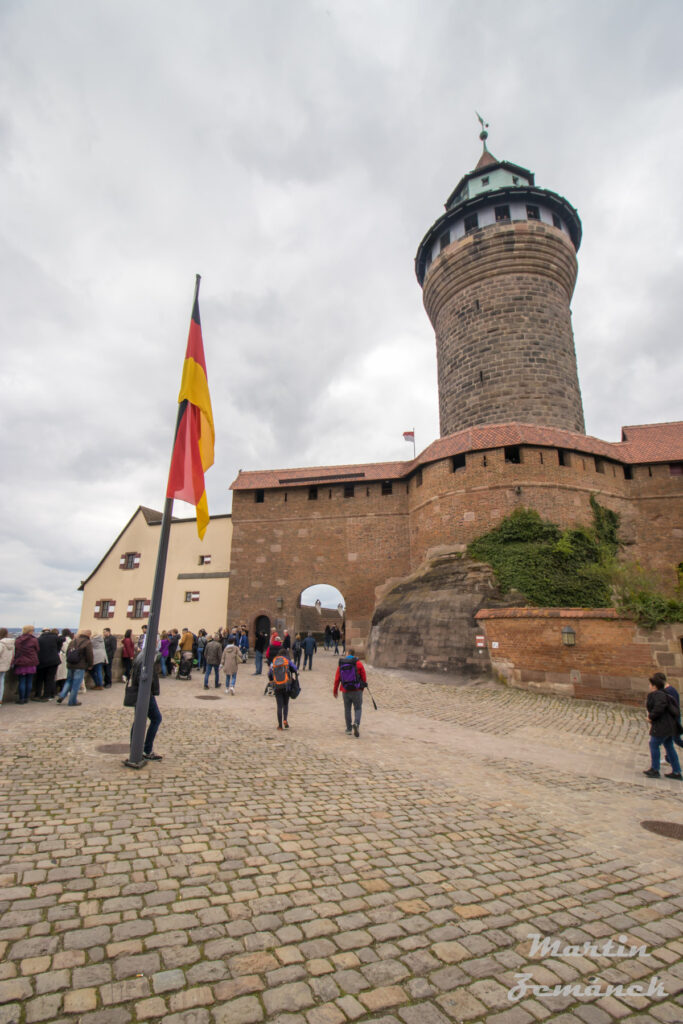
96,673
24,684
164,664
155,720
74,678
308,660
207,675
672,756
258,662
353,699
230,680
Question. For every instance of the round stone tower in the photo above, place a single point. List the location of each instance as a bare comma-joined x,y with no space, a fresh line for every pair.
497,271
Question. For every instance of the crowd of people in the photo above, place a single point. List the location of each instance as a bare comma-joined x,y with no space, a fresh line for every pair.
41,663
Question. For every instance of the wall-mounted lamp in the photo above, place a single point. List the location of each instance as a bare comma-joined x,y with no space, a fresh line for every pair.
280,603
568,636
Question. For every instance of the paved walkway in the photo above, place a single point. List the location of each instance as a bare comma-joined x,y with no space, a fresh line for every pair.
311,878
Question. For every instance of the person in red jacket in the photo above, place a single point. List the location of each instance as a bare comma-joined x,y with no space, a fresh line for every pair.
127,654
26,658
350,678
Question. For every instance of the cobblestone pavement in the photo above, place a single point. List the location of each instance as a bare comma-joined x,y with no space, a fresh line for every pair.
307,877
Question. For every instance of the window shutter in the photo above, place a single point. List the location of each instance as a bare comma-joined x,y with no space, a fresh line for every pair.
195,595
145,607
112,609
136,560
122,562
207,559
98,609
130,610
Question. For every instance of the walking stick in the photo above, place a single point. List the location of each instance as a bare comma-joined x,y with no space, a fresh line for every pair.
371,697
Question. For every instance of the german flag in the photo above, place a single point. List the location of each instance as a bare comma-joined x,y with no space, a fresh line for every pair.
195,435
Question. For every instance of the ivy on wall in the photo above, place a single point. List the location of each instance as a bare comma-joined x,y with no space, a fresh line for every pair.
572,568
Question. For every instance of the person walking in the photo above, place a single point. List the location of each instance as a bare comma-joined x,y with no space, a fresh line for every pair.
351,679
26,658
202,639
309,645
661,713
110,651
229,663
153,712
78,662
6,656
259,647
673,693
212,655
65,638
281,673
296,650
127,654
273,648
243,644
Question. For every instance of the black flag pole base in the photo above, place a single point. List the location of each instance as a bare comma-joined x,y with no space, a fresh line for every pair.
135,764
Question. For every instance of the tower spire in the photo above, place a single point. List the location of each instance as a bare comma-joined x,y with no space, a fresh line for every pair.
486,158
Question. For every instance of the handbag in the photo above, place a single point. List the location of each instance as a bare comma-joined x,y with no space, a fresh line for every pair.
130,696
294,688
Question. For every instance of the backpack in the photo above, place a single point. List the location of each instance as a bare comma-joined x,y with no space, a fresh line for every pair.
348,676
281,676
73,656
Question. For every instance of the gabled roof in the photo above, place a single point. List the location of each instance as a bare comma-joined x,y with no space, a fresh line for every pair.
650,443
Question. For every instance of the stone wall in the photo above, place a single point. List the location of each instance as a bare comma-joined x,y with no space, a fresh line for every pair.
498,300
612,659
427,621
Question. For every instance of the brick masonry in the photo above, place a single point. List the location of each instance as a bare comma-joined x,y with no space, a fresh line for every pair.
498,300
611,660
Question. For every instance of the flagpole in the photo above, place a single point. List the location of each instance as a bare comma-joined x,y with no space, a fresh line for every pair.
135,758
414,456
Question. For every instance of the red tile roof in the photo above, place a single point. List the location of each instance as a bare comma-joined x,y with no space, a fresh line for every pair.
648,443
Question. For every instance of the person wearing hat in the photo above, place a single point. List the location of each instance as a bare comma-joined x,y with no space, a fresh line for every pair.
273,648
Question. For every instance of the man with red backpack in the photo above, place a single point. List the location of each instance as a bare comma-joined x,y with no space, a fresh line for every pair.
284,678
350,678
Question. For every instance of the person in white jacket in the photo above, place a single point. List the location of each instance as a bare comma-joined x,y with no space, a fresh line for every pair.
6,655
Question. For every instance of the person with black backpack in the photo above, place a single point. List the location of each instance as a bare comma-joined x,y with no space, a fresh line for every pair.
284,678
350,678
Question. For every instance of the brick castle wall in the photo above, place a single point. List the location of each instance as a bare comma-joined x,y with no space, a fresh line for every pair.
612,658
498,300
280,547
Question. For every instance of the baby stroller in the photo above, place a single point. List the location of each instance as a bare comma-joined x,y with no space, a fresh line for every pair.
185,666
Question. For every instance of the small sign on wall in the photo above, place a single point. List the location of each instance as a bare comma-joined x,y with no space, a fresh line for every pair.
494,645
481,640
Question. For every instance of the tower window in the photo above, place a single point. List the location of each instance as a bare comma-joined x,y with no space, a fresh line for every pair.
458,462
628,473
485,181
349,490
513,455
444,240
562,457
515,179
599,466
312,493
259,497
502,213
676,468
533,213
428,259
386,487
471,222
418,478
557,223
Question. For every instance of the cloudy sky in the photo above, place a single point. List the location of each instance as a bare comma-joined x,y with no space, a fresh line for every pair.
294,152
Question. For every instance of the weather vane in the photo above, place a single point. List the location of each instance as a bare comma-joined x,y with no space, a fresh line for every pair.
483,134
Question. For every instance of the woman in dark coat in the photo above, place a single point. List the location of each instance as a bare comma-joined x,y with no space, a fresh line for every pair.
153,712
127,653
663,728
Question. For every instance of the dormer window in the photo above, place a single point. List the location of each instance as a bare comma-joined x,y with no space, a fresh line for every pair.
485,181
